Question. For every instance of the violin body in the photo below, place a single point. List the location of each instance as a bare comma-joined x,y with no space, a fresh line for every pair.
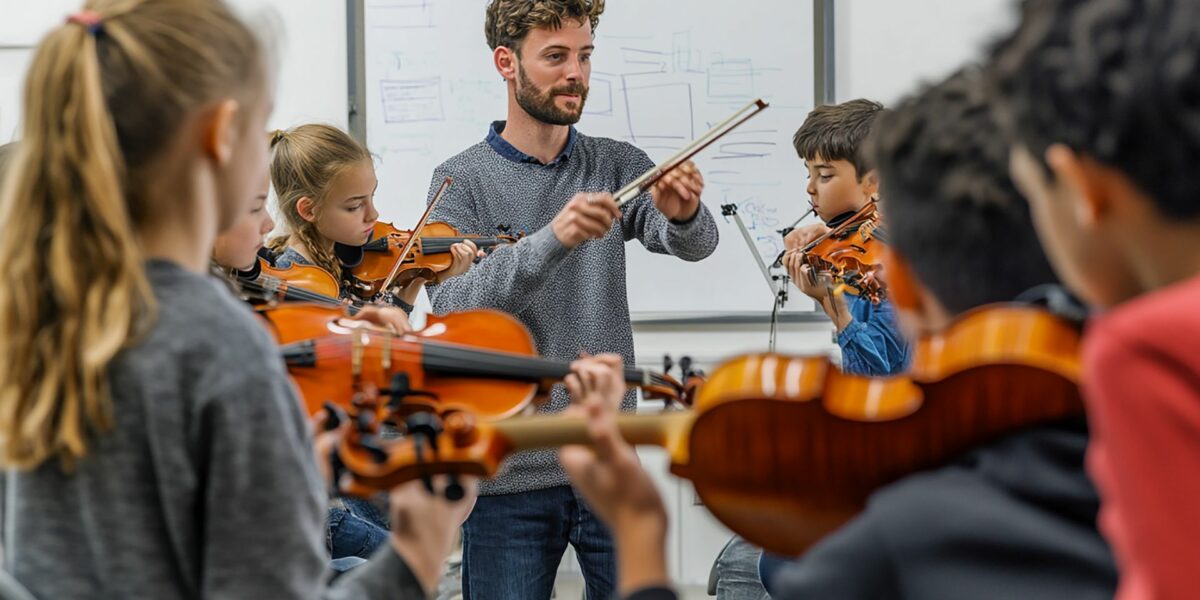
265,285
331,358
481,361
852,255
784,450
308,277
429,257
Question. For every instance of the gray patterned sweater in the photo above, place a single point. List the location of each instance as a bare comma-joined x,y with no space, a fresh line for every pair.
571,299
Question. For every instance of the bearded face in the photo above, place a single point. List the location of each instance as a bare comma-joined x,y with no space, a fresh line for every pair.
544,104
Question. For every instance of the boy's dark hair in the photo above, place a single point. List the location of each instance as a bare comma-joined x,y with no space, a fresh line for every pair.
837,131
509,21
950,208
1115,80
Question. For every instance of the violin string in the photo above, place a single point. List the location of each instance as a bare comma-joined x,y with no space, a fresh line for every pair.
294,292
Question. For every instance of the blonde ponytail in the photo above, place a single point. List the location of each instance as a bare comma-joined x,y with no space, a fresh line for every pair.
101,103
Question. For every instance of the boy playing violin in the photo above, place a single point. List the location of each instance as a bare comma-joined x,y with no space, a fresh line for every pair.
1102,104
840,183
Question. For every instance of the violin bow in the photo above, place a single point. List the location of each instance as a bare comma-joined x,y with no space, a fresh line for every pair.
416,234
649,178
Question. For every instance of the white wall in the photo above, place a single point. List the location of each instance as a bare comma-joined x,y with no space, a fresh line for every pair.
23,25
884,47
310,37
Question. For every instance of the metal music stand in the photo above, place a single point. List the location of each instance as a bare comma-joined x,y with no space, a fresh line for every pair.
777,283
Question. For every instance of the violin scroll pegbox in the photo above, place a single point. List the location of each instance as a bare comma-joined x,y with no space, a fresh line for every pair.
424,429
691,379
429,444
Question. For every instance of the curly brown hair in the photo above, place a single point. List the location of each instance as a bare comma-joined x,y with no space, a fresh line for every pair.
509,21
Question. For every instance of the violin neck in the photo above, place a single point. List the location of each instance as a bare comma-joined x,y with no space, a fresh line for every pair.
270,289
461,361
666,430
437,245
441,245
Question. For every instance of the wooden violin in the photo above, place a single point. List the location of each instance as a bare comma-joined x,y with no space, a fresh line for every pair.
482,361
851,253
784,450
265,284
430,255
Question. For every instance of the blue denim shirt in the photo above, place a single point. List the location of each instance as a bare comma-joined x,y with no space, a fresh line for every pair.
871,344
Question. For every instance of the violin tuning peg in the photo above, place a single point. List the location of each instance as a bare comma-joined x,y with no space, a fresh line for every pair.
454,489
334,416
364,421
667,363
423,423
377,453
685,364
427,481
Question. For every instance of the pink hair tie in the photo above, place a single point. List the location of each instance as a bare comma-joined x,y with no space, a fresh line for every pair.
90,19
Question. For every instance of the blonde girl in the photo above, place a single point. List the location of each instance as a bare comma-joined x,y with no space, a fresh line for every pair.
325,182
152,443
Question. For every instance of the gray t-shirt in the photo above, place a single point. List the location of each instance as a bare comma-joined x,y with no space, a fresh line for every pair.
206,487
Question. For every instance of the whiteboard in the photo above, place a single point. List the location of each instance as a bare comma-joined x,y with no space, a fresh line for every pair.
660,77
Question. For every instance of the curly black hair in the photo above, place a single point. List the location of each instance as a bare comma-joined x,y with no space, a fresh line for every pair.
1115,80
949,205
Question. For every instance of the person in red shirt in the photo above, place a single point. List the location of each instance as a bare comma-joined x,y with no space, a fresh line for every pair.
1102,101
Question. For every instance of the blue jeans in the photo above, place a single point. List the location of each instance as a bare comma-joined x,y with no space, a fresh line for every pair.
513,544
356,528
737,572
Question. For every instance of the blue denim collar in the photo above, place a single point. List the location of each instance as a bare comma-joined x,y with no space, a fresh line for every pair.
508,151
